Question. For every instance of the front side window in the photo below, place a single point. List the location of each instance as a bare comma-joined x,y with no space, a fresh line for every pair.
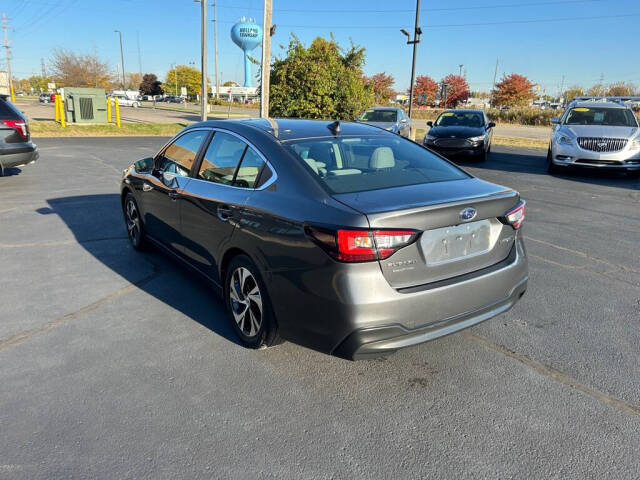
611,117
178,157
361,163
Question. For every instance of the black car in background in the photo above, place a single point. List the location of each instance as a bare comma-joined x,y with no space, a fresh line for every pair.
16,148
338,236
461,133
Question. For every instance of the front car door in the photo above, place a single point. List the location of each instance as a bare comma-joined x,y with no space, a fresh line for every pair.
164,186
213,201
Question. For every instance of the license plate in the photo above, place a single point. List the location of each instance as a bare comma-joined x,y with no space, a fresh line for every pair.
452,244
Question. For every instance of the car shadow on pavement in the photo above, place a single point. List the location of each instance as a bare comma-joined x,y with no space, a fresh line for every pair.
11,171
537,164
97,224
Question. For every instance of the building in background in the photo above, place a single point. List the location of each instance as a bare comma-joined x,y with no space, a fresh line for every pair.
237,94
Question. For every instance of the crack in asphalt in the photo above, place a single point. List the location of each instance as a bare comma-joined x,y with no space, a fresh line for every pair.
557,375
27,334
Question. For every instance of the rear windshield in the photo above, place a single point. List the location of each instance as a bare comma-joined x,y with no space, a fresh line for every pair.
8,111
612,117
357,164
380,116
460,119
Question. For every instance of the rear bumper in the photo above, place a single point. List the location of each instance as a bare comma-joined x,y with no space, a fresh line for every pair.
19,156
356,314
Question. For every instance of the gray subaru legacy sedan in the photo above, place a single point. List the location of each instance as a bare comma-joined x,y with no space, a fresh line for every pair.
340,237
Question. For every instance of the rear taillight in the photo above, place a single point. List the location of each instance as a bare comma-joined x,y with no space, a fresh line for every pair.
515,216
361,245
19,126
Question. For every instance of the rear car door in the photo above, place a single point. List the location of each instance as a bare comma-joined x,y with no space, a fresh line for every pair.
213,201
164,186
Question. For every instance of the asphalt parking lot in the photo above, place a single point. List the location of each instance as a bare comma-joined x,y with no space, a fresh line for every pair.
115,364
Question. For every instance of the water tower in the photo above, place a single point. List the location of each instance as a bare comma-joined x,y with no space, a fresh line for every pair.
247,34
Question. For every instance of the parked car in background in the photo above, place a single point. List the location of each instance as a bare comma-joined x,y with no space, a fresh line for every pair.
341,237
390,118
126,101
174,99
595,134
47,97
461,134
16,148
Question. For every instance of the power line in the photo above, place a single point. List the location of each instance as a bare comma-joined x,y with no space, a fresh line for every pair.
451,25
444,9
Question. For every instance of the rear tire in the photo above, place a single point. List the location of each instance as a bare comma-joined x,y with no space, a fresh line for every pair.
133,223
249,306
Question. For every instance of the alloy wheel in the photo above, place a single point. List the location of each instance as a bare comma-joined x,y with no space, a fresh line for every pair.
133,222
246,301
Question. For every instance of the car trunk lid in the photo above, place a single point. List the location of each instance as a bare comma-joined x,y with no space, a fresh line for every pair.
459,224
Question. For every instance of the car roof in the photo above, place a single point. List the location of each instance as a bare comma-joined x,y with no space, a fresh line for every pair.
592,104
391,109
285,129
462,110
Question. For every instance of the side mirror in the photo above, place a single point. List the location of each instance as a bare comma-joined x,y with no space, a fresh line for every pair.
491,125
144,165
555,120
430,123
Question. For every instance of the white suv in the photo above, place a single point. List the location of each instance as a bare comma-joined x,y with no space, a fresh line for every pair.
600,134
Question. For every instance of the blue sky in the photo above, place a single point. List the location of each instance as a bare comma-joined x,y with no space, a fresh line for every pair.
587,40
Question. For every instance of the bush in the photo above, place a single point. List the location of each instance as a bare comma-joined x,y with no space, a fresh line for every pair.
520,116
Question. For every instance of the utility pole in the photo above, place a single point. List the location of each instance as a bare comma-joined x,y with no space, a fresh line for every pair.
175,75
215,44
121,57
495,76
139,56
204,96
562,87
265,70
43,68
417,31
461,65
8,50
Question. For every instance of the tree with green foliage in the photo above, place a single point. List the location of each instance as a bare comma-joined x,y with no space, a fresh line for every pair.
321,81
188,77
40,83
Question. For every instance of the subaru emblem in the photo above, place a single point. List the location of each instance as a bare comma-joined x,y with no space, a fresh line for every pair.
467,214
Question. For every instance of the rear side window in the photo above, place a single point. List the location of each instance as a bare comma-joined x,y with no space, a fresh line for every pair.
8,111
178,157
222,158
230,161
357,164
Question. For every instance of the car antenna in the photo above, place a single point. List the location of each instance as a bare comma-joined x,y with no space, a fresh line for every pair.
334,127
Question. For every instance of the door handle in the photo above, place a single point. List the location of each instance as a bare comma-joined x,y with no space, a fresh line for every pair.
173,195
224,213
146,187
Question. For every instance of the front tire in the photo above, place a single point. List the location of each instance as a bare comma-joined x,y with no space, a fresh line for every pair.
133,222
551,167
249,305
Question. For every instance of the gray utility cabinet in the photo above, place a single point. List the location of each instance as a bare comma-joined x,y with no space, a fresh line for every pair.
85,105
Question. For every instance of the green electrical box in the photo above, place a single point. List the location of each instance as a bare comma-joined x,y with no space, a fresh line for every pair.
85,105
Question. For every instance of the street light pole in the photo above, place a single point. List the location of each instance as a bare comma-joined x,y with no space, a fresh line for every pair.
265,67
417,31
461,65
175,75
204,97
215,45
121,56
